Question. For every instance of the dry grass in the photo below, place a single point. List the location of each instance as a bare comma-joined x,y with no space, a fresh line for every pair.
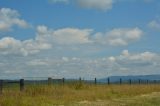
78,94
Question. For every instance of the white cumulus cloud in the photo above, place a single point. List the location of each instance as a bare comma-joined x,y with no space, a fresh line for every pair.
9,18
65,36
137,59
119,36
9,45
46,39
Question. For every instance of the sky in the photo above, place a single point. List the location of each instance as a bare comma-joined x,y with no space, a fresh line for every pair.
79,38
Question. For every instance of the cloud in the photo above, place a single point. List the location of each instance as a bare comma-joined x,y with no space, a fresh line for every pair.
145,56
74,36
104,5
46,39
65,36
136,59
34,46
10,18
9,45
59,1
90,4
119,36
38,62
155,24
96,4
65,59
125,63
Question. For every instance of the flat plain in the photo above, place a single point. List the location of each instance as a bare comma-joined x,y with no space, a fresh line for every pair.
79,94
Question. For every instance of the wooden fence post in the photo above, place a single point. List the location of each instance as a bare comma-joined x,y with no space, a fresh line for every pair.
95,81
120,81
139,81
63,80
130,81
49,81
147,81
80,80
21,84
108,81
1,86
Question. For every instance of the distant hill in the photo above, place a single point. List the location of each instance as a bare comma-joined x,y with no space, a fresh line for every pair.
115,79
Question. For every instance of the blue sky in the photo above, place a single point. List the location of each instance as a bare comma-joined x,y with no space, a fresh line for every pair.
79,38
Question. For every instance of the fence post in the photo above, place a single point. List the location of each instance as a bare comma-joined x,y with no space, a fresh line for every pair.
80,80
130,81
21,84
139,81
120,81
108,81
95,81
63,80
147,81
1,86
49,81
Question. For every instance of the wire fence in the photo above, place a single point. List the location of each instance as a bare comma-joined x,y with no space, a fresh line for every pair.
20,84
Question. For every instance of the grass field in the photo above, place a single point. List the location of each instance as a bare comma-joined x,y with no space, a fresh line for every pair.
78,94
